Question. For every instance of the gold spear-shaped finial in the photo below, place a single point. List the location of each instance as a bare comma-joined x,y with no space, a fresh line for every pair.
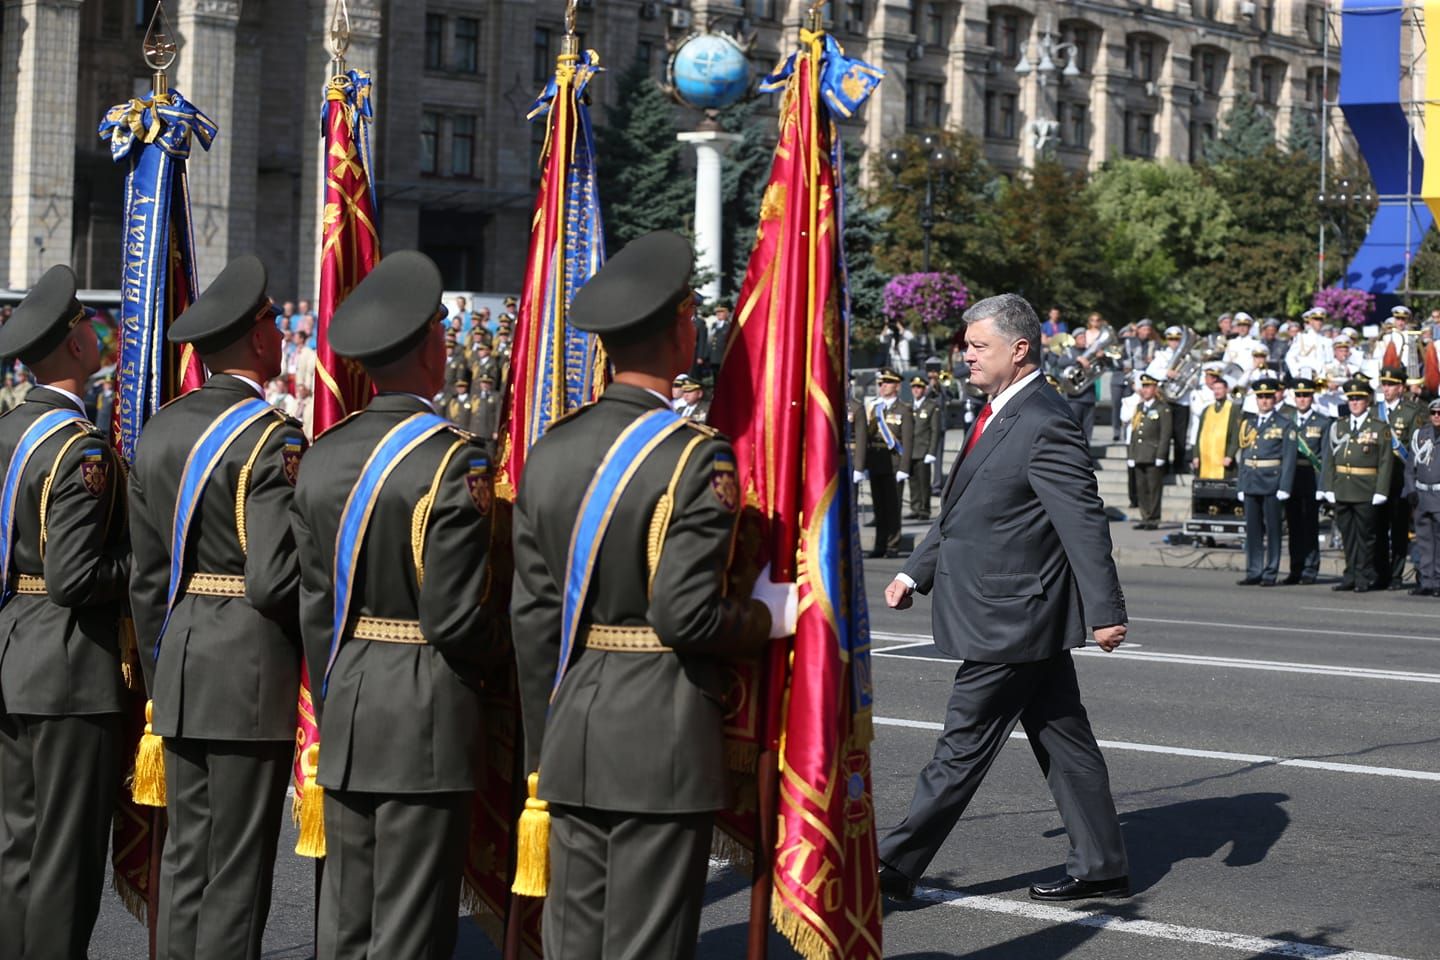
815,16
570,43
160,50
339,39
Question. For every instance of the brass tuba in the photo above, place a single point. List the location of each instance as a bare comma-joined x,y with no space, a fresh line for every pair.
1413,370
1187,364
1075,378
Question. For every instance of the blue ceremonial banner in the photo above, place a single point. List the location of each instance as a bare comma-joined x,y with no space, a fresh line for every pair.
38,432
158,275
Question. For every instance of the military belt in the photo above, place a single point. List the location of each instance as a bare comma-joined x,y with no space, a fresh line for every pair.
1357,471
215,585
385,630
623,639
1427,487
29,583
1262,463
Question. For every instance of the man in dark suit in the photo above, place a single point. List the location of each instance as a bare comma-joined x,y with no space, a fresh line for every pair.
399,650
66,565
1020,555
1302,510
216,630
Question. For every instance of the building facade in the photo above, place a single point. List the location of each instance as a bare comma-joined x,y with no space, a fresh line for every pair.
454,79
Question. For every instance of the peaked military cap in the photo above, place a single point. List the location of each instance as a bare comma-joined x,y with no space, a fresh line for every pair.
44,318
918,382
1145,322
637,290
1392,375
1270,322
1435,405
1315,313
1260,352
1148,381
1401,311
486,378
1265,387
1303,387
886,375
1357,387
1173,333
687,382
390,311
226,311
1242,317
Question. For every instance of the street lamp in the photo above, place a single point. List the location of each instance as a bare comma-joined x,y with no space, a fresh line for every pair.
937,159
1050,53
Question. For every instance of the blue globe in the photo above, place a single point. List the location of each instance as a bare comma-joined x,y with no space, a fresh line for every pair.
709,71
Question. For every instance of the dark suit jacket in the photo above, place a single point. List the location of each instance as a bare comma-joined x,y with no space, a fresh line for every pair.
59,652
1019,561
630,732
229,667
398,718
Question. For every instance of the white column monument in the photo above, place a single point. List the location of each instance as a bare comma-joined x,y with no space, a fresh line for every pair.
710,147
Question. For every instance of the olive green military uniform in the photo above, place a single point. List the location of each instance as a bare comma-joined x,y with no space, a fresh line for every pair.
926,438
1392,539
1302,510
632,797
224,677
1358,464
858,437
1149,445
486,366
457,368
60,684
883,463
485,415
460,411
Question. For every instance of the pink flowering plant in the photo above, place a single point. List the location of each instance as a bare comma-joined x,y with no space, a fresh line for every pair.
1346,307
929,300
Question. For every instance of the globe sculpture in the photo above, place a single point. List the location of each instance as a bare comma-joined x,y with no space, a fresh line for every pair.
709,71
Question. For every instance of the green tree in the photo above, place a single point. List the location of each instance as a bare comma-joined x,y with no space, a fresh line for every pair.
1248,132
865,234
641,184
743,179
1304,136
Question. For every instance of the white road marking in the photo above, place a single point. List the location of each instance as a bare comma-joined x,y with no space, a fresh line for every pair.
925,642
1246,758
1266,628
1366,613
893,641
1046,913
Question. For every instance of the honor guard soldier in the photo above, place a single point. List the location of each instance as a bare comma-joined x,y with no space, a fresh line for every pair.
483,363
392,522
692,402
628,623
1357,465
1404,416
891,433
485,411
1422,489
1302,510
214,594
925,411
457,365
858,427
65,560
1267,471
460,408
1147,448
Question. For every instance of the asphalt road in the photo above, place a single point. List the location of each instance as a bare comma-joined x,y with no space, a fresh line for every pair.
1275,756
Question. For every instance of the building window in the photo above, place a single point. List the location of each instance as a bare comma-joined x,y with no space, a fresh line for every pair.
1205,9
912,103
467,44
1084,39
855,16
1140,58
1207,70
1315,23
1003,33
934,104
434,41
1265,17
1202,132
761,9
1139,134
1315,90
934,24
462,146
999,115
1074,124
143,10
645,53
544,57
429,141
1266,79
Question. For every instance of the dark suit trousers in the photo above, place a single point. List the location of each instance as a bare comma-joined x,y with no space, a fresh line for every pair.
920,488
987,701
391,887
1392,533
1263,517
1302,516
224,799
885,493
625,886
1149,483
59,779
1427,548
1180,425
1357,533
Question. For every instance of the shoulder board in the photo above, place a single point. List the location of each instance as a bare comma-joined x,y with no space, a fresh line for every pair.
341,422
569,416
703,428
463,434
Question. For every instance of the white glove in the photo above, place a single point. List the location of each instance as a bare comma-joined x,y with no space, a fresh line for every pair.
1329,496
781,599
901,475
858,476
1159,463
1240,496
1282,495
929,458
1129,463
1378,499
1319,495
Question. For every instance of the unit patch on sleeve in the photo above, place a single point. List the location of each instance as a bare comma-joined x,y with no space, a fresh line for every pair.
724,483
478,480
94,471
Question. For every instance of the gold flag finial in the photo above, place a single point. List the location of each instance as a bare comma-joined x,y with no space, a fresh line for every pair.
570,43
159,49
338,41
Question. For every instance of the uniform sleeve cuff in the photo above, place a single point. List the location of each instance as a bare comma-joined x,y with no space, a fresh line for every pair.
905,579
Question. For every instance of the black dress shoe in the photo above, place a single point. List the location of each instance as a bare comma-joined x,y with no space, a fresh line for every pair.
1074,889
1269,583
1291,580
1343,586
1306,581
1247,582
1363,589
1397,585
1423,592
895,884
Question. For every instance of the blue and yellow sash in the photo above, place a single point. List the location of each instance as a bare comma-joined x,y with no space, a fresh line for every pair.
203,459
625,457
886,433
394,447
1395,443
37,433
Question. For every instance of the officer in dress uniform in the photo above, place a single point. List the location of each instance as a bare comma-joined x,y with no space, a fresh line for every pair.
457,367
1404,416
692,402
460,408
1422,489
392,522
1357,467
925,411
891,435
1302,510
485,411
857,426
1146,450
216,628
631,802
65,559
483,362
1267,471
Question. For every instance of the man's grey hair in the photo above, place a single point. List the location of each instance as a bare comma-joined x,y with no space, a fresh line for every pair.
1014,318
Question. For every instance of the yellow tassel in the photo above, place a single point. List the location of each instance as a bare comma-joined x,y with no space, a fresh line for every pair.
148,787
532,845
312,807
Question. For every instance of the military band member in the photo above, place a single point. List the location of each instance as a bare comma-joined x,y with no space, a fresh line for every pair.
630,800
891,434
485,411
1404,416
1164,367
1267,471
1357,467
925,412
1302,510
1240,350
1148,446
692,399
65,562
214,595
391,519
1217,443
1422,488
1311,352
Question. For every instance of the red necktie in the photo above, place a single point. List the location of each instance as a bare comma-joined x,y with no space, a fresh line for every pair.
979,429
